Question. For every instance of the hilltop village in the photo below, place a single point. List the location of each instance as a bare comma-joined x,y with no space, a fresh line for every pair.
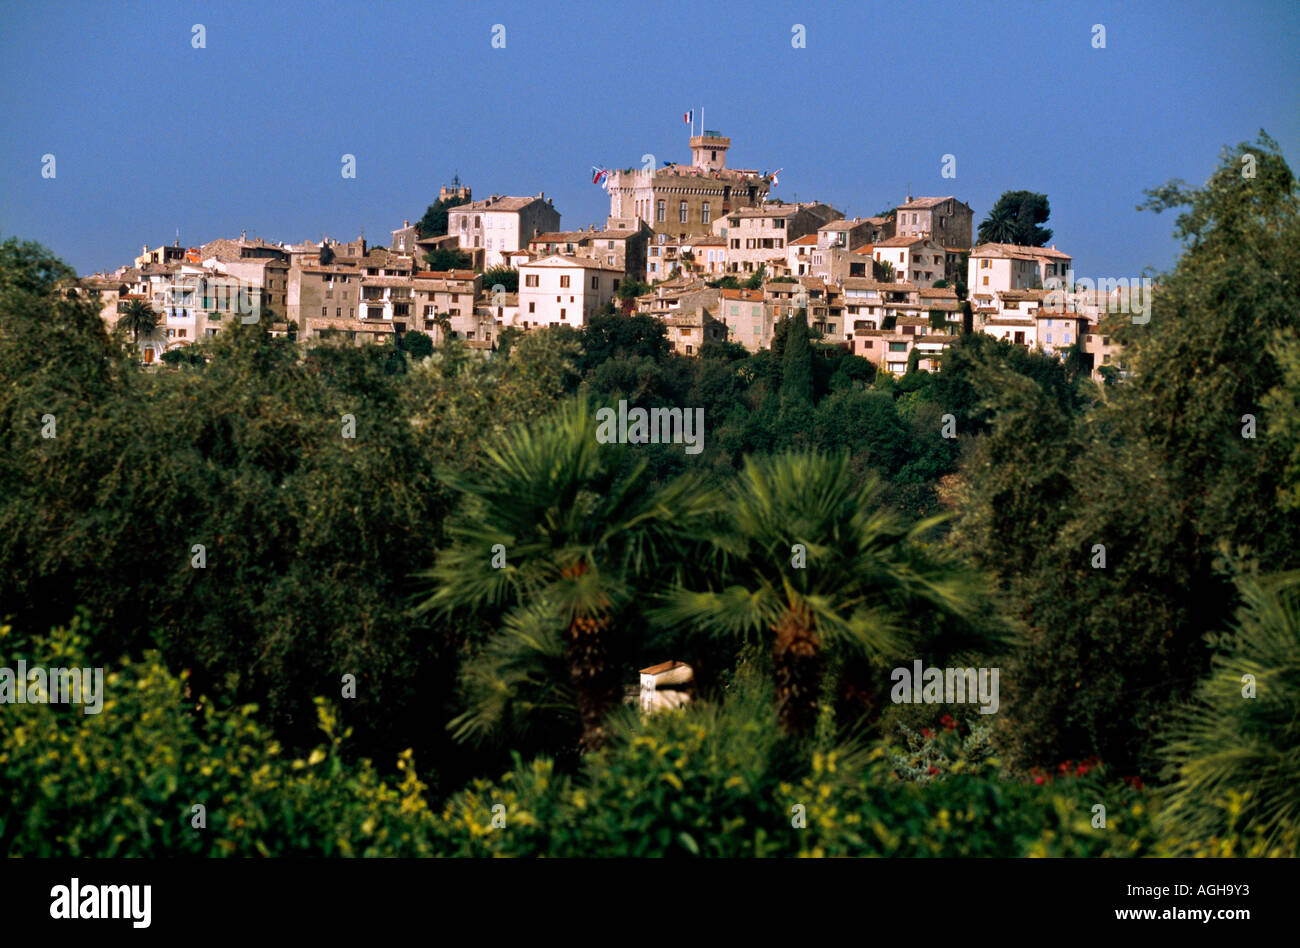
702,246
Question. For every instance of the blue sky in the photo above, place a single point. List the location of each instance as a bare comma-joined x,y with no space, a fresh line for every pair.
150,134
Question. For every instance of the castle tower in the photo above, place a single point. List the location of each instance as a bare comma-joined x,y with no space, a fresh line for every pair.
709,150
454,190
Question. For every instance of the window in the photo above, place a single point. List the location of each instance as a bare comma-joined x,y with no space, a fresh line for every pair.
562,314
532,307
681,212
704,212
530,279
181,333
662,210
985,264
338,311
324,310
595,283
986,281
478,223
564,281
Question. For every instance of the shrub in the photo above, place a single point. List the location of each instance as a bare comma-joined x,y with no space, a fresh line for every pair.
1233,751
124,782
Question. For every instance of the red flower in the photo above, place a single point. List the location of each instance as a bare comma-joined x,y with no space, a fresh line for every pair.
947,722
1038,780
925,732
934,769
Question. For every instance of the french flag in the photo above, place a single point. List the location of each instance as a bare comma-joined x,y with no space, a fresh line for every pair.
688,117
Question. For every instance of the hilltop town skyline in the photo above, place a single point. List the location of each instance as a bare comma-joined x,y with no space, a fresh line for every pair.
192,150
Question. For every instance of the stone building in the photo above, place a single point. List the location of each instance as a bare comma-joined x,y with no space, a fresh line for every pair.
756,236
500,224
945,220
682,201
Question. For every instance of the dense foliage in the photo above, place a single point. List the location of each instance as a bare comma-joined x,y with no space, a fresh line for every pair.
434,557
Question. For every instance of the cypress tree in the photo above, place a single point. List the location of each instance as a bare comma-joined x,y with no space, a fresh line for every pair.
796,366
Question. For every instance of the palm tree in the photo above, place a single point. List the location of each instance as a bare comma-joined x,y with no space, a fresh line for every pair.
583,534
139,319
1233,752
1000,227
145,325
817,569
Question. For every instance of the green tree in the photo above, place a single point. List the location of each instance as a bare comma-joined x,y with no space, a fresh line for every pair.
417,345
1233,752
796,366
582,535
503,276
1160,482
630,289
607,335
882,271
434,222
139,319
810,563
755,282
1014,219
447,259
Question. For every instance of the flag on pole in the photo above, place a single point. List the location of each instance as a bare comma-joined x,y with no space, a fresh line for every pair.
598,174
774,174
688,116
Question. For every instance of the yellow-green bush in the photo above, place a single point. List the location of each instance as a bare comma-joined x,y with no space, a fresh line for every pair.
123,782
711,780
